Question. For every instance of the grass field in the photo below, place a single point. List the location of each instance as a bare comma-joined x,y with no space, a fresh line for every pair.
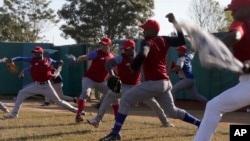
36,123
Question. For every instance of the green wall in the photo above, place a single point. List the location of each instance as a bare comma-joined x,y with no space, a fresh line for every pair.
209,82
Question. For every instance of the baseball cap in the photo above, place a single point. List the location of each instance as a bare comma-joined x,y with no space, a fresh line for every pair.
106,41
236,4
37,49
182,48
151,24
128,43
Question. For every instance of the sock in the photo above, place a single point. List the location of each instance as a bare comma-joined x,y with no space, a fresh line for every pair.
115,109
81,106
119,122
191,119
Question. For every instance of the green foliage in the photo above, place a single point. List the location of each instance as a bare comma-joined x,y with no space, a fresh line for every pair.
27,19
208,14
87,21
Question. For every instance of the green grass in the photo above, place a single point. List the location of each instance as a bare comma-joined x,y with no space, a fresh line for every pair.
141,125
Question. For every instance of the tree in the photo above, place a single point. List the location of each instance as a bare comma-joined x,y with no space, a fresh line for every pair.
208,15
31,17
89,20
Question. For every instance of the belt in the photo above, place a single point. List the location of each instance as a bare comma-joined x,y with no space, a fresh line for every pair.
41,83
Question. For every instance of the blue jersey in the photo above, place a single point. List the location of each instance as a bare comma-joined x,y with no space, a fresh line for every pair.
186,66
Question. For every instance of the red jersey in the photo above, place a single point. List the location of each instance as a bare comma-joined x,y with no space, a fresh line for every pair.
124,72
40,70
241,50
156,59
97,71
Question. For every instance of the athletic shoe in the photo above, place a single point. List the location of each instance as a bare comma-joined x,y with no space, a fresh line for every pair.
111,137
10,115
168,124
83,113
79,118
75,100
248,110
45,104
93,122
6,110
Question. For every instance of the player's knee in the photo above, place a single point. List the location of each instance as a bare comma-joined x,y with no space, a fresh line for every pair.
211,105
125,106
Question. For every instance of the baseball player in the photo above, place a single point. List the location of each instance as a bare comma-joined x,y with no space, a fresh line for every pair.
152,56
40,71
238,96
183,68
2,105
96,75
122,62
57,83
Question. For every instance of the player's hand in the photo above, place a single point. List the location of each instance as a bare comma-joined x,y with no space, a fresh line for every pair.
61,62
171,17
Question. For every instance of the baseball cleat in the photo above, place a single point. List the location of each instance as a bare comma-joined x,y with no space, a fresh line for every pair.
45,104
168,124
6,110
75,100
83,113
10,115
111,137
93,122
79,119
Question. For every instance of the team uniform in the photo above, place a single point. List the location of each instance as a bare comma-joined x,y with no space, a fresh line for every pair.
186,77
152,57
128,81
40,72
94,77
238,96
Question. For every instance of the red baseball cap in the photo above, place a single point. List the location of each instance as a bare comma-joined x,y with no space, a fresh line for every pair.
236,4
151,24
106,41
182,48
38,49
128,44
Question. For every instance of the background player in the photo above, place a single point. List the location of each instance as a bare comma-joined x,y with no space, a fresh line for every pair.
122,63
183,68
152,56
239,95
40,70
96,75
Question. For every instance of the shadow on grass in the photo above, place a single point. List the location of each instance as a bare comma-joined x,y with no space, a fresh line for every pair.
47,136
36,126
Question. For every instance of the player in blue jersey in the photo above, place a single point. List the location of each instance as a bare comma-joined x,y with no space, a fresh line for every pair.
183,68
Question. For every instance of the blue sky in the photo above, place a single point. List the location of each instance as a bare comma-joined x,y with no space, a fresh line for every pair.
162,7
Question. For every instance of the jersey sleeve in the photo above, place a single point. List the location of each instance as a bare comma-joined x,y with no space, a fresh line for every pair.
180,62
20,58
118,59
92,55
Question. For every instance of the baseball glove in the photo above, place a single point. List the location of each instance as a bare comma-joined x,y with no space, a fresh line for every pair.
12,67
114,83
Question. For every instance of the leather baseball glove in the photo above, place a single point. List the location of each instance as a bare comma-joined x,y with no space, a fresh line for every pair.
114,83
12,67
